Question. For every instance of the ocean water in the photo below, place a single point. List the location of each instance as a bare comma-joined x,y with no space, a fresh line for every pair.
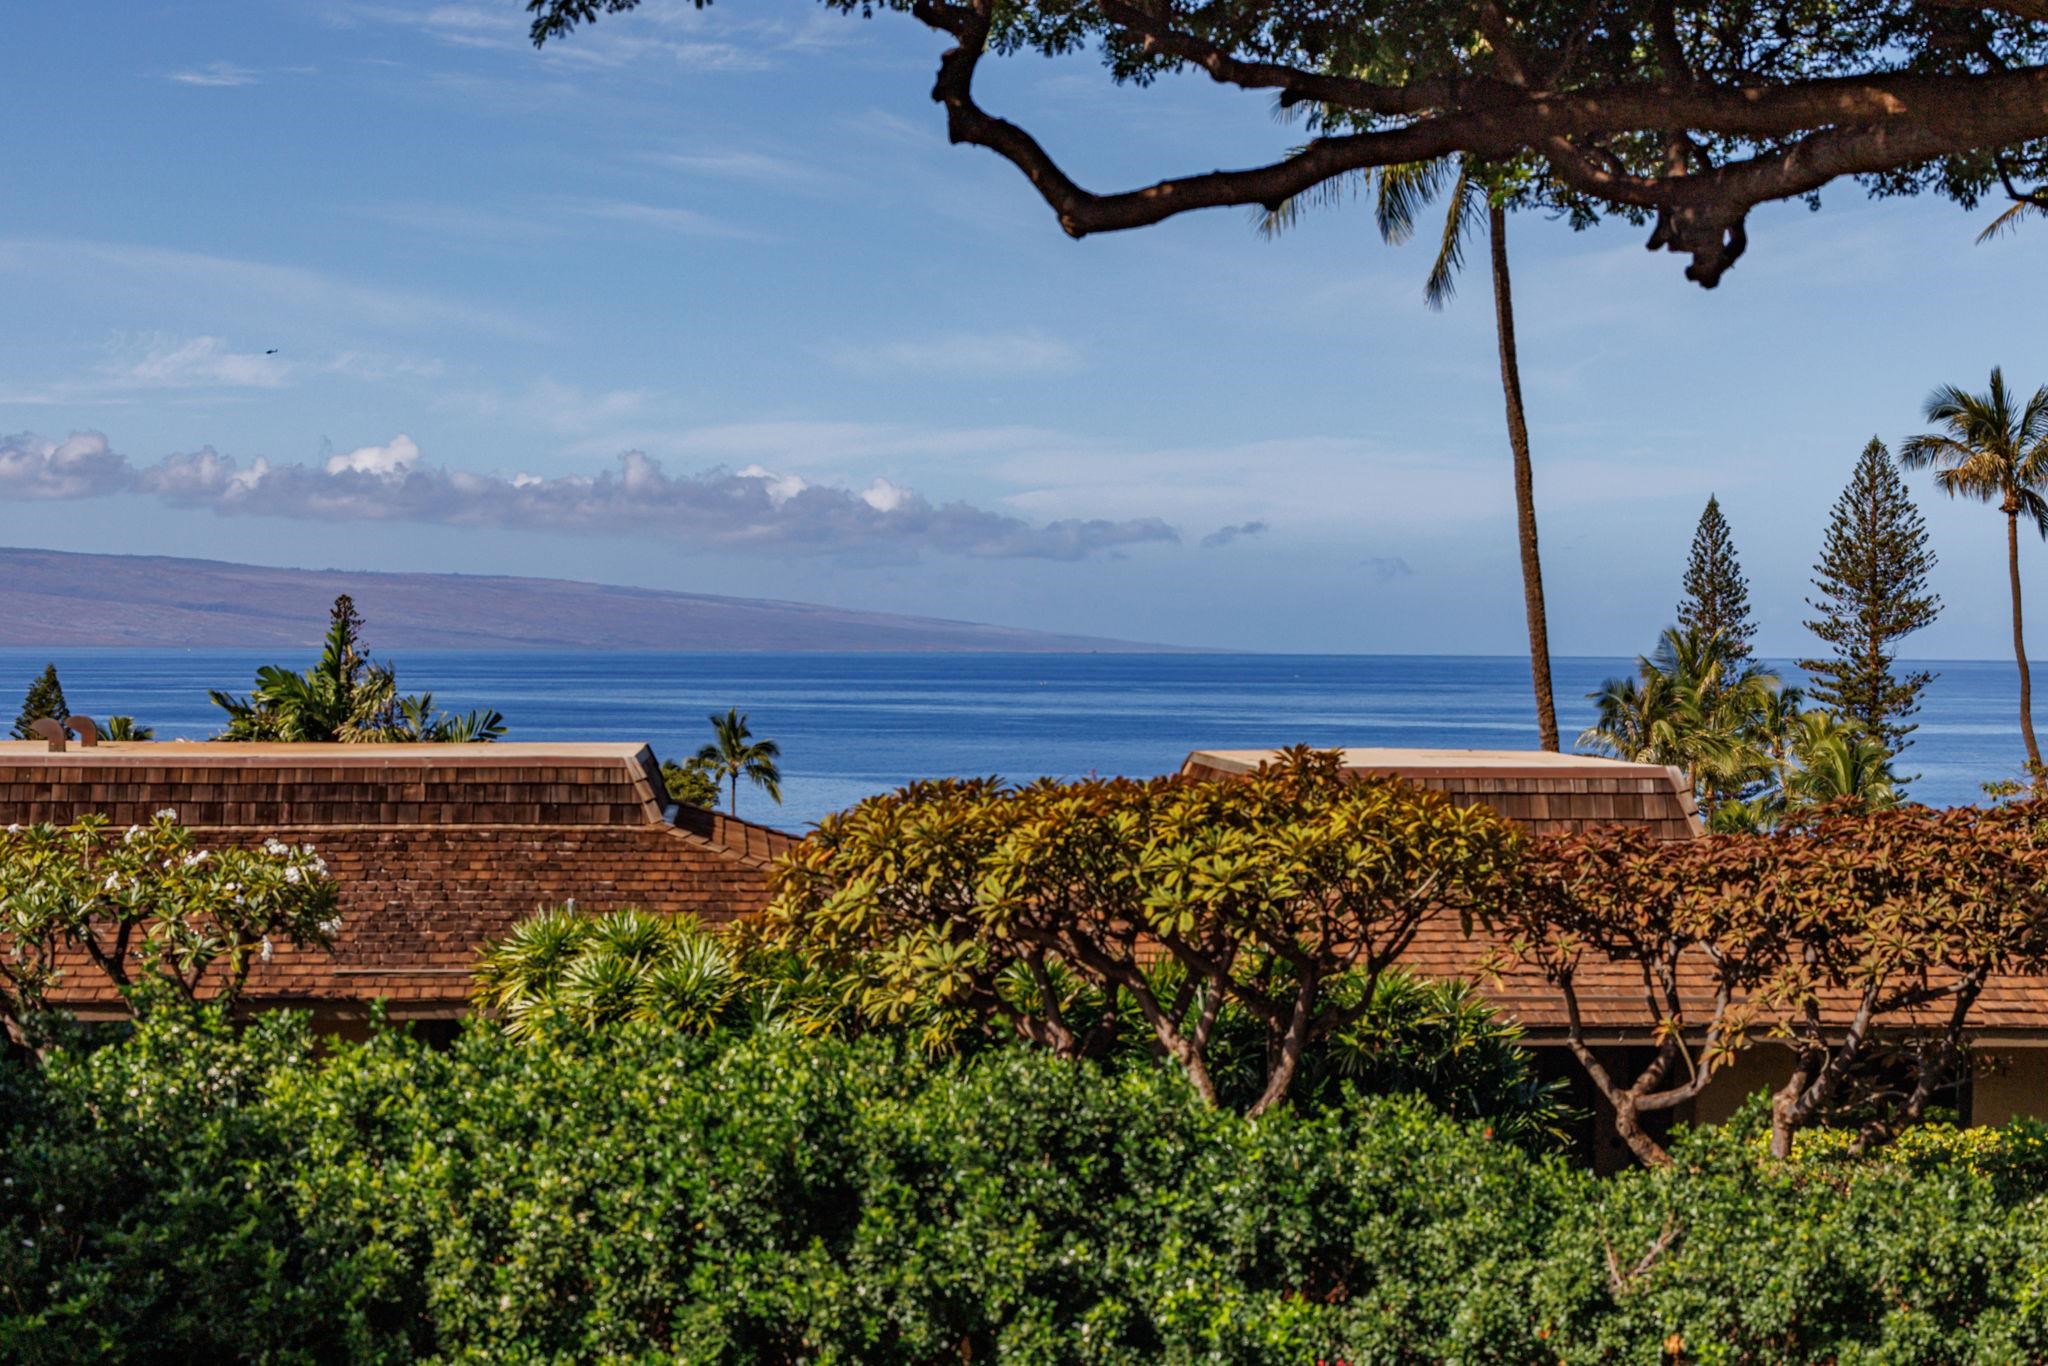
854,724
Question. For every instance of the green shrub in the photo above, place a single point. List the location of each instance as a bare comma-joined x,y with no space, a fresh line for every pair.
638,1193
139,1217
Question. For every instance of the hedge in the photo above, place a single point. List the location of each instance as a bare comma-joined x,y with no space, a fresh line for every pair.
192,1193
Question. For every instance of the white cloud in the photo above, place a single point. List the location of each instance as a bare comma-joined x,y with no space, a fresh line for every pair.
389,460
884,496
163,273
200,362
986,354
218,75
758,168
668,218
676,35
82,465
753,508
779,487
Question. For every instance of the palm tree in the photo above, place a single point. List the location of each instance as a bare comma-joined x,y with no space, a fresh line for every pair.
125,728
345,696
1988,451
1401,190
735,753
1833,759
1690,709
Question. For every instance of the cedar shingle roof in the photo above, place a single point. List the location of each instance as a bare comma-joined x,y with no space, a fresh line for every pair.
1548,794
1562,794
435,848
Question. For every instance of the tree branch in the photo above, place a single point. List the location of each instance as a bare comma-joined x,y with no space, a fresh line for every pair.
1838,126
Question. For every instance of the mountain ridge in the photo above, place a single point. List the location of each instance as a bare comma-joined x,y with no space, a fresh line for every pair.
61,598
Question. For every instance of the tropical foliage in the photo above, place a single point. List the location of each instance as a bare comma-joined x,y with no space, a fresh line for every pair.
1748,746
734,754
562,969
127,728
346,696
1858,940
197,1193
1723,723
1992,449
692,784
147,910
1268,893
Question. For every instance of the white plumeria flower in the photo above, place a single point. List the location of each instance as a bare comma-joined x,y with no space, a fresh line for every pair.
330,928
167,813
113,882
294,876
14,829
275,847
194,860
265,955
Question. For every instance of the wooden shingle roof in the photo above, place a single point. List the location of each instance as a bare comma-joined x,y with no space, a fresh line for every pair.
435,848
1563,794
1547,794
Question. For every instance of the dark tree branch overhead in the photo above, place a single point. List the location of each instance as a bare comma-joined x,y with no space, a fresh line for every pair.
1684,113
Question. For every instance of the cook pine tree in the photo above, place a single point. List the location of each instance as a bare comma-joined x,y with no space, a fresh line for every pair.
1716,601
1872,593
45,699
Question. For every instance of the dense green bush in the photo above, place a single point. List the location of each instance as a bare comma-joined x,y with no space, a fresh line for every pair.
644,1194
563,972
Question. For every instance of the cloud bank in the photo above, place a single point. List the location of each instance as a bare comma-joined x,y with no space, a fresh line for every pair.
752,508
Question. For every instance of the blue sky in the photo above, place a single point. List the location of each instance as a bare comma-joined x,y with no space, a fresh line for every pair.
705,301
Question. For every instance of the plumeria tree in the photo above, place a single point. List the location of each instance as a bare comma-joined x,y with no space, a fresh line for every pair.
1857,941
1285,894
148,907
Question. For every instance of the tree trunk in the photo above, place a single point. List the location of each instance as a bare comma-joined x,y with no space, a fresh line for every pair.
1285,1060
1785,1116
2019,649
732,803
1525,487
1628,1125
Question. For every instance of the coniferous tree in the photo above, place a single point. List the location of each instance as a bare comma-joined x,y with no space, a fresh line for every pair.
45,699
1872,578
1716,602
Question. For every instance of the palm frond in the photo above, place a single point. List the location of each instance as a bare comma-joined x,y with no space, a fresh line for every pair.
1459,214
2009,221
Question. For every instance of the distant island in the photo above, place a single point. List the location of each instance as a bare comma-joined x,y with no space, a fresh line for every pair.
56,598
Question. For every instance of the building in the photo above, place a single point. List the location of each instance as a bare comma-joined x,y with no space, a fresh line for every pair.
1563,793
438,849
435,848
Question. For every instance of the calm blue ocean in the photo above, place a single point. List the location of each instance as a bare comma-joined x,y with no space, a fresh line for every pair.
854,724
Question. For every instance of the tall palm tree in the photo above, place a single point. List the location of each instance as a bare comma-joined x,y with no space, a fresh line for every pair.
1401,190
735,753
1994,453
